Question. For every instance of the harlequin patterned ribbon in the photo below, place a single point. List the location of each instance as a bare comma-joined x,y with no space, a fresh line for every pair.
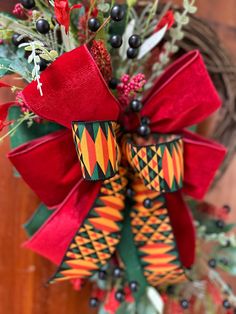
97,148
154,238
98,236
159,165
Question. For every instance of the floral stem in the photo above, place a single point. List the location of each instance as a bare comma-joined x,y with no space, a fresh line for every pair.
27,116
100,28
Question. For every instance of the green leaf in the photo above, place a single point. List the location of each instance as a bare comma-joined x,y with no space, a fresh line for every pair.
192,10
104,7
5,34
5,64
131,3
21,68
145,306
45,56
53,54
228,253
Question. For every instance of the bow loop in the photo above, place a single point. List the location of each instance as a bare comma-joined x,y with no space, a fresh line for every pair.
97,148
158,162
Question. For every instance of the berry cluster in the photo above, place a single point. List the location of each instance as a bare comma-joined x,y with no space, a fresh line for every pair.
130,87
134,43
120,294
117,14
18,10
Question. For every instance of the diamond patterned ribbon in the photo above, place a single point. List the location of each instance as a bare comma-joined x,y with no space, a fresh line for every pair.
159,165
154,237
97,238
97,148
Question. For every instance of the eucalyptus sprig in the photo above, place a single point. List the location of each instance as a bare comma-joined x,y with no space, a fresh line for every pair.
35,59
176,34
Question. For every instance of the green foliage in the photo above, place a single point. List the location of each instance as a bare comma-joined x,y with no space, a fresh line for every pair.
131,3
13,61
104,7
145,306
226,259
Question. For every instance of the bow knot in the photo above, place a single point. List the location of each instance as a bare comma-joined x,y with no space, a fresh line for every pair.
159,162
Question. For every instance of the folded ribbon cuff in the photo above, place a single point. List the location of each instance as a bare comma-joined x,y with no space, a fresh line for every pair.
97,148
159,165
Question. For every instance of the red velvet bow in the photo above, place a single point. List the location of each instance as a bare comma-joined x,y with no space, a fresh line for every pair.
182,96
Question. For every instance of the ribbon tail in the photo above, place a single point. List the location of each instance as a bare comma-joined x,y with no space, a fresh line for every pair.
96,239
154,237
54,236
183,227
202,158
49,166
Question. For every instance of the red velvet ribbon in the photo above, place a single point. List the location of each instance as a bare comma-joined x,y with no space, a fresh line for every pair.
182,96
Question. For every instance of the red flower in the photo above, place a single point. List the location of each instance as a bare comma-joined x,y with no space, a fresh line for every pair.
62,12
77,283
102,58
111,304
168,19
4,109
128,295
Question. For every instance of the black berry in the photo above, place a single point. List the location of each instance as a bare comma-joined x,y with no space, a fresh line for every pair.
130,193
184,304
132,53
93,24
136,105
28,4
102,274
117,13
148,203
170,290
212,263
133,285
15,40
93,302
145,120
116,41
42,64
224,261
227,244
226,304
118,272
227,208
42,26
135,41
144,130
220,224
113,83
120,296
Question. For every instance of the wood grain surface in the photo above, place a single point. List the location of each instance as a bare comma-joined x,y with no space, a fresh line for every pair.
23,274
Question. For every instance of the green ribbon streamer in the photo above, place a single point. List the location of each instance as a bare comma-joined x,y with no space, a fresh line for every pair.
129,255
41,214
